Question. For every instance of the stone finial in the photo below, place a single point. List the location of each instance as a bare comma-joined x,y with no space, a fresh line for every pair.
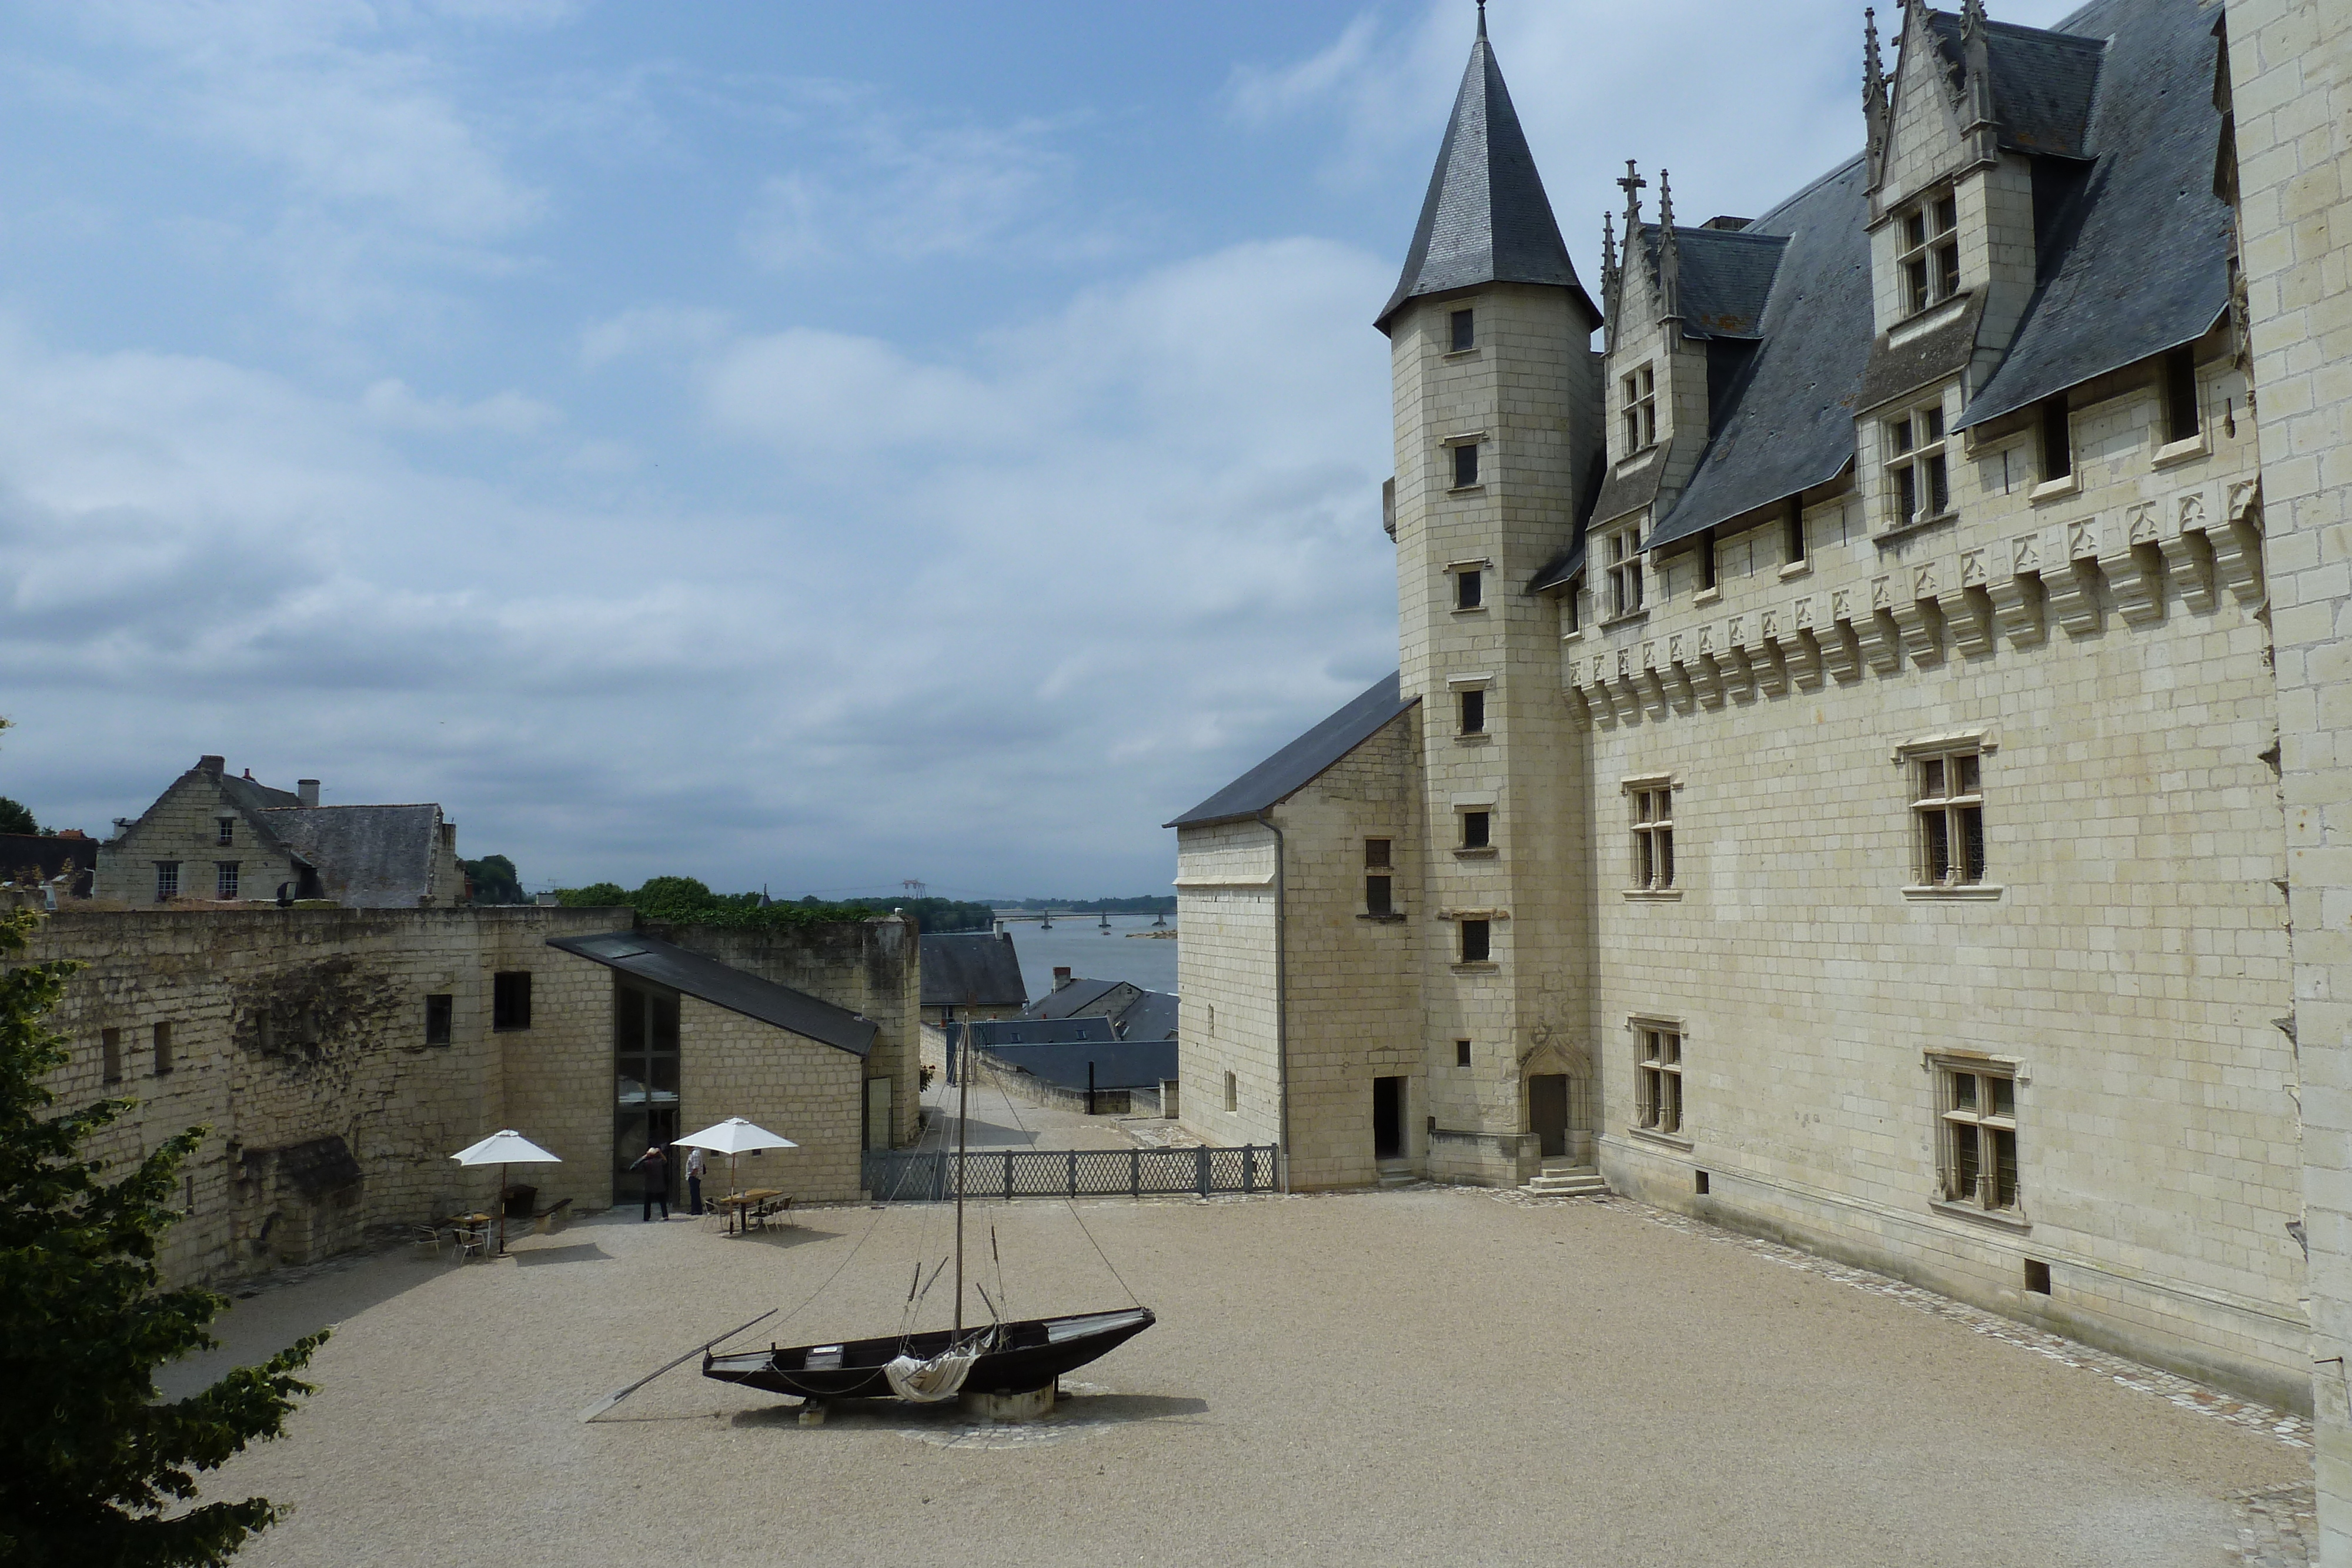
1612,275
1976,83
1482,18
1670,256
1875,112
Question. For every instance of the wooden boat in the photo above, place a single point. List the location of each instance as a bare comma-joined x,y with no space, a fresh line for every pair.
1012,1357
1000,1357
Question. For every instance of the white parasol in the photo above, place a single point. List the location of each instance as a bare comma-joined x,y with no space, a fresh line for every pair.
732,1137
503,1148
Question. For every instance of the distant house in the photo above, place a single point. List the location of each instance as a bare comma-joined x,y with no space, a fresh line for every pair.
212,836
44,859
1084,998
971,974
1116,1065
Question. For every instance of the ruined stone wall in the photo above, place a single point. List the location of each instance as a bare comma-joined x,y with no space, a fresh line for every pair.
288,1027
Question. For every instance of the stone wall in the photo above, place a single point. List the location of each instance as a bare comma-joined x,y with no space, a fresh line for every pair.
1226,983
290,1029
183,826
2291,98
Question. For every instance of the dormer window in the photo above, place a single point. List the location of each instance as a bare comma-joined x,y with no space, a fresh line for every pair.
1931,253
1918,478
1641,409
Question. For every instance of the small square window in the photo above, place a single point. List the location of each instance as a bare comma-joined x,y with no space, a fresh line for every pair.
1465,334
1477,829
1477,941
1473,710
225,831
510,999
1469,589
439,1012
1465,464
1461,1053
1375,853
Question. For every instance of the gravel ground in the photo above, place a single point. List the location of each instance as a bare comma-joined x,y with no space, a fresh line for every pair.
1416,1374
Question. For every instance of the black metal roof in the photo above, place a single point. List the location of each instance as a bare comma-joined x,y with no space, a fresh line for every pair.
1081,996
667,964
1302,761
1119,1064
971,968
2138,262
1485,218
1792,426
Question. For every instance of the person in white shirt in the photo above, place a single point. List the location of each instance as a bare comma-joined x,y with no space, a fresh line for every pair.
695,1165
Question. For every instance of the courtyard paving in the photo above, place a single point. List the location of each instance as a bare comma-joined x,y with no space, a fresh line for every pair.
1422,1374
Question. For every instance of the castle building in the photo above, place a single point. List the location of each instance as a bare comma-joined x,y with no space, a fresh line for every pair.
1834,779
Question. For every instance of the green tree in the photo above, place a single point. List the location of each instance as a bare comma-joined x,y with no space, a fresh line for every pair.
495,880
15,819
94,1468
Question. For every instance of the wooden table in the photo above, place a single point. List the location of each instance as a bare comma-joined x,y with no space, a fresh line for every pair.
739,1204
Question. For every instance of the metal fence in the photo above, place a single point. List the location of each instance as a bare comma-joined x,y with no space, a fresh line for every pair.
931,1176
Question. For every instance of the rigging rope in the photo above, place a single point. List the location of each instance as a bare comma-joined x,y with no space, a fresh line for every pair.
1071,1204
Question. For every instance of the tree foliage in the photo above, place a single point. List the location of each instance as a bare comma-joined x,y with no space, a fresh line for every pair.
94,1469
16,818
495,880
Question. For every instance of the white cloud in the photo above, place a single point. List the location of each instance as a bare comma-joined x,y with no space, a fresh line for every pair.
390,404
649,329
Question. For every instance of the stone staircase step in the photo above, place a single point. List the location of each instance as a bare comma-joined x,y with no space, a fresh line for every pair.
1562,1179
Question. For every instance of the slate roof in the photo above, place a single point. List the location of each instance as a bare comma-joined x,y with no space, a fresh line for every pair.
2139,262
1151,1016
1726,277
2044,83
721,985
250,795
1485,218
1119,1064
989,1033
1792,424
1079,996
367,857
1304,760
2134,263
975,969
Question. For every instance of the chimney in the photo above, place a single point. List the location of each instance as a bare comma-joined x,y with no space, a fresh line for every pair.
213,765
1061,976
307,789
449,837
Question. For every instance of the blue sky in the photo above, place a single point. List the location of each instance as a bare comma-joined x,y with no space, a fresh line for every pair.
791,445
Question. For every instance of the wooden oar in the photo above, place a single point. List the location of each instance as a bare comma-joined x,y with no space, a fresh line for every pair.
611,1399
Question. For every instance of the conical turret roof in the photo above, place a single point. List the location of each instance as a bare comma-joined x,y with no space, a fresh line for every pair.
1485,218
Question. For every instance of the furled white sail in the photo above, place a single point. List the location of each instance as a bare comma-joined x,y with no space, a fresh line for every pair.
941,1378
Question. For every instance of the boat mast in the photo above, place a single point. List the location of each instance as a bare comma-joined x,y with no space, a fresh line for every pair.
964,1102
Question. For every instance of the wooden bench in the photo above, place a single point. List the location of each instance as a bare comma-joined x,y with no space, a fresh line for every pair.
549,1220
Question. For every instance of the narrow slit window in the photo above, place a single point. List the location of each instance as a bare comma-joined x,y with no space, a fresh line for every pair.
2181,415
1465,325
1232,1093
1706,561
1465,464
1461,1053
439,1015
162,1045
2057,440
109,1055
1794,530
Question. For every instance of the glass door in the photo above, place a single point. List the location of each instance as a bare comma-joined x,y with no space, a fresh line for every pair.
645,1082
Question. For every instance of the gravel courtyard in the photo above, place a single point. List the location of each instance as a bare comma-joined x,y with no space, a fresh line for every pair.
1426,1374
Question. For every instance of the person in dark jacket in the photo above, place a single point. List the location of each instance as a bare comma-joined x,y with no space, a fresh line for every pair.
654,1162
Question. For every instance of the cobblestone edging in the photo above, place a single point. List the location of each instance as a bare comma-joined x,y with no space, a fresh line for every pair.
2281,1427
2277,1527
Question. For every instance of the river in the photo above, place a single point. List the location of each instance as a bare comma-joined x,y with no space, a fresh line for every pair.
1079,942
